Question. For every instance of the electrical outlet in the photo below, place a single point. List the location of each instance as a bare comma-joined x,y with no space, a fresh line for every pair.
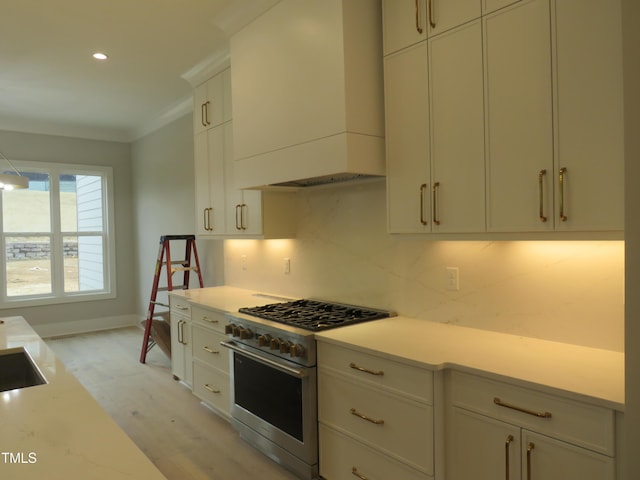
453,278
243,262
286,266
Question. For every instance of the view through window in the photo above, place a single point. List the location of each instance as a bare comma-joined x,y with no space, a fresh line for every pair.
56,234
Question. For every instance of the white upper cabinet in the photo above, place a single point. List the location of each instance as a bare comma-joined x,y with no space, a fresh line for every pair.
519,130
407,145
442,15
307,93
404,23
589,115
212,102
457,130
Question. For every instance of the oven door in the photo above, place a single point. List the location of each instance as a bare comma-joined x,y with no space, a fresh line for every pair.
276,399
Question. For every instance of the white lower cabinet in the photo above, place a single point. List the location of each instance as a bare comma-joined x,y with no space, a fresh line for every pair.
211,382
376,417
495,430
181,366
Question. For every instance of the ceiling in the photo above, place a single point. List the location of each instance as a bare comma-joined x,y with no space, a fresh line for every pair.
49,82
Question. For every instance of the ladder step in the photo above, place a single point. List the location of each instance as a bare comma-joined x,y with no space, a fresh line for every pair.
184,269
162,304
175,287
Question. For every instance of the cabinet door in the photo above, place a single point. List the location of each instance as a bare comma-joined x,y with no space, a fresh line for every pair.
549,459
443,15
407,140
590,143
457,130
181,355
489,6
209,182
519,118
481,448
404,23
202,182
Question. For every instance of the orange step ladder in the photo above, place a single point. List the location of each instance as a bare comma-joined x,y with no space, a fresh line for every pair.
157,332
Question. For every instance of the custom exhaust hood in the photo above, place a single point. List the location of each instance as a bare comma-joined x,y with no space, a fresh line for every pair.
307,95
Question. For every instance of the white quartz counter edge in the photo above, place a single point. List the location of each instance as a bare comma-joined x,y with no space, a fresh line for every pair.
58,431
589,374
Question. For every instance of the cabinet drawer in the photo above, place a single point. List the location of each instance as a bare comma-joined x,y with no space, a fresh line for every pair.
401,427
207,348
383,372
341,458
179,306
210,318
212,386
579,423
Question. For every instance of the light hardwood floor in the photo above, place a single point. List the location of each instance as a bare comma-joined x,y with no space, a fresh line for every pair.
184,439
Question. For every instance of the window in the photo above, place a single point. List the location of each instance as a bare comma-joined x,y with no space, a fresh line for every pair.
57,236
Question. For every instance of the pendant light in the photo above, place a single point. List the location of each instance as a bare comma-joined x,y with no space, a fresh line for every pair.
10,181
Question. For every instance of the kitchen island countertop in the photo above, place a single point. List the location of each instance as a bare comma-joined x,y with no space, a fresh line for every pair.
58,431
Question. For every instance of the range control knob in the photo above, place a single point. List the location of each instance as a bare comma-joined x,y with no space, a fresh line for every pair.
264,340
285,346
245,333
296,350
274,343
228,328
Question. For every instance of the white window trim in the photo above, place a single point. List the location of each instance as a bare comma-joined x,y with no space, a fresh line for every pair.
54,170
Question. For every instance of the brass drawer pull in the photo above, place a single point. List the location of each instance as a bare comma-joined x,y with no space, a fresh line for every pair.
366,370
364,417
211,389
500,403
181,307
210,320
354,471
208,349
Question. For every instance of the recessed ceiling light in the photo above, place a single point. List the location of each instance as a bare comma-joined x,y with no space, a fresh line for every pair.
100,56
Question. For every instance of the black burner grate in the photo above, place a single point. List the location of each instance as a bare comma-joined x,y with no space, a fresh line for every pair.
315,315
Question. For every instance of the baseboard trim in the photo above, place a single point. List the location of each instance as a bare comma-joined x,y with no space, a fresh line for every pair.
51,330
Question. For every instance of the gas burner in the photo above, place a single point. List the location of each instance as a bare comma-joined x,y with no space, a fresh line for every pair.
315,315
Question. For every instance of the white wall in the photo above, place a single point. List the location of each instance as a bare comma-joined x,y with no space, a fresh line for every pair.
46,148
564,291
164,204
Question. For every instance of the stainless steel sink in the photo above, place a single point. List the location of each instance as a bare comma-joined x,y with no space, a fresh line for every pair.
17,370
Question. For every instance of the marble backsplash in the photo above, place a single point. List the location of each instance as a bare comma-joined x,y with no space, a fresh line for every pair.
566,291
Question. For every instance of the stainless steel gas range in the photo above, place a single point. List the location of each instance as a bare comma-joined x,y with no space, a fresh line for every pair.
273,375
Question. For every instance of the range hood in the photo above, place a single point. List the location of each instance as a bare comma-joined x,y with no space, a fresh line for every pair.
307,95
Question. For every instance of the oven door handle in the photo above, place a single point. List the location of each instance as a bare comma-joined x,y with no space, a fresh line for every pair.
259,358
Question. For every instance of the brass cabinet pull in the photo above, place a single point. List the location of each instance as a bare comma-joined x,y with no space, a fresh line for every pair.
210,320
354,471
507,443
207,219
202,114
418,27
500,403
432,21
243,208
366,370
211,389
563,171
541,175
238,217
434,205
530,448
364,417
180,332
423,188
208,349
206,113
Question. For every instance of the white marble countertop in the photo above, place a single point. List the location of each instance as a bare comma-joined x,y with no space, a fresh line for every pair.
58,431
580,372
